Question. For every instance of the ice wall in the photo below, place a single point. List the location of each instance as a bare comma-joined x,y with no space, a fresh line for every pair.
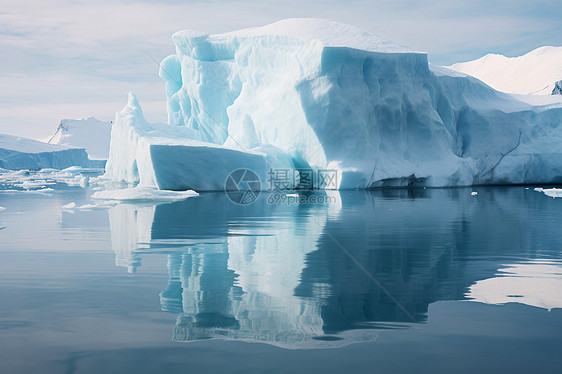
18,153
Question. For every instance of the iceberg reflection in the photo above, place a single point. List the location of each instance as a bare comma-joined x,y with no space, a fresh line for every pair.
277,273
535,283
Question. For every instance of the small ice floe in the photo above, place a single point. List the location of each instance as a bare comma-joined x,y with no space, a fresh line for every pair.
474,193
72,206
552,192
2,208
143,194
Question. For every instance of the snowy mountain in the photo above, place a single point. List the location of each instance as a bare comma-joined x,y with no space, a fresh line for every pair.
22,153
314,94
89,133
535,73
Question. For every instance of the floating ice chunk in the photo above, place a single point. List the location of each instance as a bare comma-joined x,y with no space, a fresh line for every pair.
72,206
552,192
2,208
143,194
69,206
474,193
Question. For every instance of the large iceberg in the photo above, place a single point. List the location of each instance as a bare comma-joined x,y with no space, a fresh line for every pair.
22,153
309,94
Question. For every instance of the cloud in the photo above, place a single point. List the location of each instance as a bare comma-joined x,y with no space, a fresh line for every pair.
72,53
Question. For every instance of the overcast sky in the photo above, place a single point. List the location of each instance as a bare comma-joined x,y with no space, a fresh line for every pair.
74,59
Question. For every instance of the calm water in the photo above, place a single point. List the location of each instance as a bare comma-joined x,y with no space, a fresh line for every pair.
384,281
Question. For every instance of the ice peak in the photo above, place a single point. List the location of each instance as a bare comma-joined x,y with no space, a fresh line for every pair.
132,101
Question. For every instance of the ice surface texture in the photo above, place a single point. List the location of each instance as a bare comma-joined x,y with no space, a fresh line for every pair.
322,95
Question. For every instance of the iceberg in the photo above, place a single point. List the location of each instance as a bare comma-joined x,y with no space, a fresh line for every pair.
18,153
167,157
310,94
89,133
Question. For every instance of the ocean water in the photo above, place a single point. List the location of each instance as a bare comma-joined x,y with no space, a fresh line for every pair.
395,281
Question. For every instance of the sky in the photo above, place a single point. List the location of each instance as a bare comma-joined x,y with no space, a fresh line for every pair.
77,59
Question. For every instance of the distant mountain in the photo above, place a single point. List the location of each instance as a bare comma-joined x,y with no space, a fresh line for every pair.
89,133
538,72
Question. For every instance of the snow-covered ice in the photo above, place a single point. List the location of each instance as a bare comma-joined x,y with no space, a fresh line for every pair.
23,153
143,194
314,94
89,133
535,73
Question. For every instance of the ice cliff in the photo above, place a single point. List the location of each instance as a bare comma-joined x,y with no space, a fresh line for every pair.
314,94
21,153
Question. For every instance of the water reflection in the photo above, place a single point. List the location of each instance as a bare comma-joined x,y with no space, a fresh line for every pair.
287,274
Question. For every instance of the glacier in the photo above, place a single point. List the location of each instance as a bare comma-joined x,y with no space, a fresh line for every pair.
535,73
310,94
18,153
89,133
